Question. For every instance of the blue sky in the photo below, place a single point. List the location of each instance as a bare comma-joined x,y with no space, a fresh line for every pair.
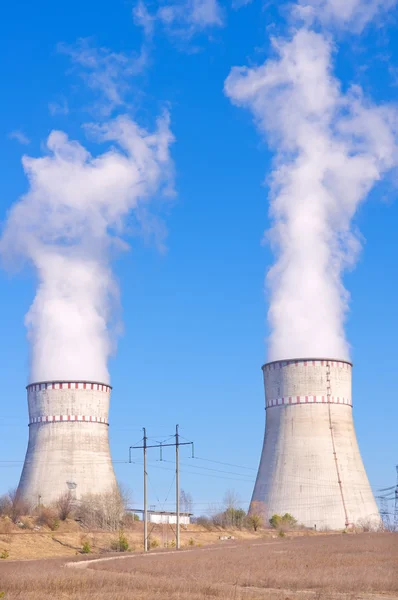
194,315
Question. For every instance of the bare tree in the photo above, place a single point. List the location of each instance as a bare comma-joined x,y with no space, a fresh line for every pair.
102,511
186,501
231,499
126,495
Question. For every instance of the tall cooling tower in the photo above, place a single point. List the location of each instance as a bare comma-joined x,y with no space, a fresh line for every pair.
68,447
310,465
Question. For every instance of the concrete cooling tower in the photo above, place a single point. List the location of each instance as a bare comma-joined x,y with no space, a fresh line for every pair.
68,447
310,465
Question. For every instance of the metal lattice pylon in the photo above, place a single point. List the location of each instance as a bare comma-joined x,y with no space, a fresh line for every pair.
384,512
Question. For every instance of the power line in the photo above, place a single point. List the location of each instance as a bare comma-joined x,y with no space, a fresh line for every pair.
225,464
156,466
162,445
209,469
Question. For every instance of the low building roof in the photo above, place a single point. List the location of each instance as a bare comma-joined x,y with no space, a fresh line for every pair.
159,512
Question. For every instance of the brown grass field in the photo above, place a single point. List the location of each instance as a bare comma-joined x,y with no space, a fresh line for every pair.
323,567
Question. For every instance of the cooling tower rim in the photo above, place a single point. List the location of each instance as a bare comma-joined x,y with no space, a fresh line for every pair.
68,381
295,360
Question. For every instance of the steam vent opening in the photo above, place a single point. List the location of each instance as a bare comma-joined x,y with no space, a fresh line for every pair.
68,447
310,465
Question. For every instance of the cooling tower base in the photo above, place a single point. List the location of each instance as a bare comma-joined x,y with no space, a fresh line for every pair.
310,465
68,449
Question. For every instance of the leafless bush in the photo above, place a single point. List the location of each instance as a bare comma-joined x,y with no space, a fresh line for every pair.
5,525
64,505
47,516
370,524
102,511
125,494
204,522
25,523
5,505
18,506
129,521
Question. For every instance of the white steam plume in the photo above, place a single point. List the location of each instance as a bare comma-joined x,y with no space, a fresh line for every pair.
352,14
331,148
67,225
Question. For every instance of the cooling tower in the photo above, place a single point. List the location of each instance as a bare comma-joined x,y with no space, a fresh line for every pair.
310,465
68,445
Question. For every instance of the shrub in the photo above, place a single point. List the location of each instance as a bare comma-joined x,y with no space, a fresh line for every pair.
229,518
86,549
287,521
234,517
191,542
254,521
121,544
204,522
154,543
5,554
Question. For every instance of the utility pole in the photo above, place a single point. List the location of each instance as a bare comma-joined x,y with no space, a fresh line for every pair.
145,497
177,491
161,445
396,504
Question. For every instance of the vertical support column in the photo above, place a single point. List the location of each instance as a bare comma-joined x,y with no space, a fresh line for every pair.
145,498
177,491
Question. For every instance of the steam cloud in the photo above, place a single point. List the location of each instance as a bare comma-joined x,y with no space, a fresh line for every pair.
354,14
67,225
331,148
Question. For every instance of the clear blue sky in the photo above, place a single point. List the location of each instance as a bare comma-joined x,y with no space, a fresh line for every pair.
194,316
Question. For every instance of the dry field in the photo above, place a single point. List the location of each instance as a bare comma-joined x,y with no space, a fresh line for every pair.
322,567
69,538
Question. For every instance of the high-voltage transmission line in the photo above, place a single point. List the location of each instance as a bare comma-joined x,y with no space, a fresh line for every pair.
390,493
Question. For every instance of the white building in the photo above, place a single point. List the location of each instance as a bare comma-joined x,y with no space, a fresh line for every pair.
164,517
